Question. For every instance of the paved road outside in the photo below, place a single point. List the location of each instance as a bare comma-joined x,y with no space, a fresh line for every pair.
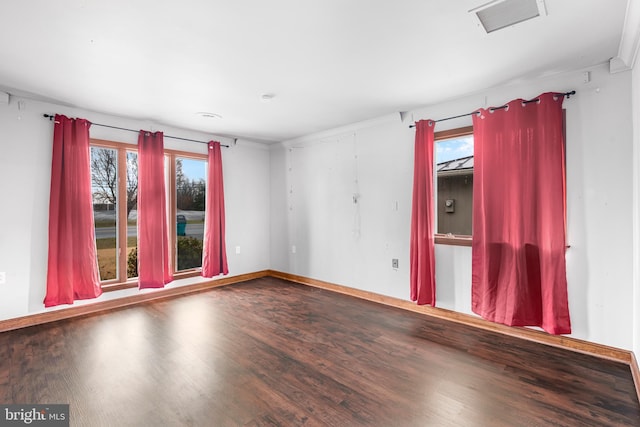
192,230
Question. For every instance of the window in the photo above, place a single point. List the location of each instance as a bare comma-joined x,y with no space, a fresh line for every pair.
454,185
131,216
115,210
104,188
190,203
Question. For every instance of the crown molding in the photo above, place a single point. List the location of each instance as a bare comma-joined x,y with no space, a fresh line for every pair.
630,40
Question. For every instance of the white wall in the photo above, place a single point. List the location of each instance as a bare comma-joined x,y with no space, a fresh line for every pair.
314,178
635,85
246,186
25,169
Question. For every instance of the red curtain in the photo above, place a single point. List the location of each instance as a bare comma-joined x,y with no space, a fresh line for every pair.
72,265
214,253
519,240
153,234
423,280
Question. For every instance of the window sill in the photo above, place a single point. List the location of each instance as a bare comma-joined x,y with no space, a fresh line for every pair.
453,240
133,283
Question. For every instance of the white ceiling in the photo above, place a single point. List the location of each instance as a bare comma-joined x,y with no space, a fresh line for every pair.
328,62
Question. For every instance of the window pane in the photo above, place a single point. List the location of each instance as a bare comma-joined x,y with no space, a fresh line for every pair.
104,186
454,198
132,214
190,203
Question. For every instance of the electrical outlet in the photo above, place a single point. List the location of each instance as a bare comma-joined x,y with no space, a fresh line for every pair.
394,263
3,277
237,249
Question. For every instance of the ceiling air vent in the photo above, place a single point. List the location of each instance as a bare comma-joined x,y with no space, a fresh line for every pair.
504,13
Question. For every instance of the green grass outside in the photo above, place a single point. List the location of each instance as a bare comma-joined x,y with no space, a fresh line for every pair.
110,242
105,223
112,223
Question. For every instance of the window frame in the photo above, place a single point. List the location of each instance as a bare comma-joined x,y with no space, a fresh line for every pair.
442,238
121,281
173,155
464,240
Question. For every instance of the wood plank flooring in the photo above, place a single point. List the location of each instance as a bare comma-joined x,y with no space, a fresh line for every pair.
273,353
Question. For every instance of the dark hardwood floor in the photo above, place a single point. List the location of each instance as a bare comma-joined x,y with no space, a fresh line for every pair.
272,353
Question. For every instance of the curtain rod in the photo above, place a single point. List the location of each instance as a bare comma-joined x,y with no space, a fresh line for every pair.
567,94
50,117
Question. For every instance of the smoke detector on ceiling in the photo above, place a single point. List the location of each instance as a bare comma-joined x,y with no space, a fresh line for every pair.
267,97
500,14
208,115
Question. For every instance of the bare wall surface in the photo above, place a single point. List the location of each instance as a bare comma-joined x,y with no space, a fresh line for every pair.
353,244
636,207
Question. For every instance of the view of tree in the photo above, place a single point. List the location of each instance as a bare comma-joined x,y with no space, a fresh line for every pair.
132,181
104,177
190,194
